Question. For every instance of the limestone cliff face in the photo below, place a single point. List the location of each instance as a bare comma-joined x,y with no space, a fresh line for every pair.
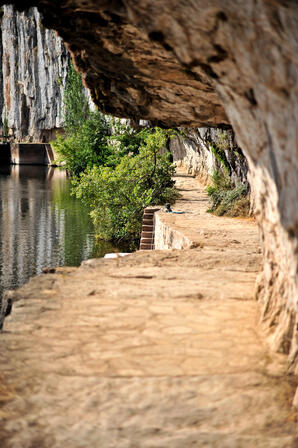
197,152
201,63
34,65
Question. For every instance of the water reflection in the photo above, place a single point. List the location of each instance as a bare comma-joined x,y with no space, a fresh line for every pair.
41,224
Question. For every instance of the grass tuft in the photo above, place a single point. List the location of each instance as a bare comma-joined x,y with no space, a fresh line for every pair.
227,199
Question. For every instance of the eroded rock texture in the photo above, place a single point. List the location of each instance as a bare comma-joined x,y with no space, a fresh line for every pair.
207,62
205,150
34,65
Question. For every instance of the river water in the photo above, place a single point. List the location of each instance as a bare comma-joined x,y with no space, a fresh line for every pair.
41,224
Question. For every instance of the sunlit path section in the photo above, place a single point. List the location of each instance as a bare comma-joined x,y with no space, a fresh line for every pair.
156,349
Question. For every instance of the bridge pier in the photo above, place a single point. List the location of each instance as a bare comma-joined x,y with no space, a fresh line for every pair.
50,155
31,154
4,153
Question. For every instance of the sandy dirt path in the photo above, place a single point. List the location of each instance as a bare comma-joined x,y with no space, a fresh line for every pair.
158,349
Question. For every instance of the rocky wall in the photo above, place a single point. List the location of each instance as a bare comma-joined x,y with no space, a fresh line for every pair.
167,237
34,65
205,150
204,63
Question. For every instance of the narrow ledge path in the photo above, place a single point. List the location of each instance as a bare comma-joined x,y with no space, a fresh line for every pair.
158,349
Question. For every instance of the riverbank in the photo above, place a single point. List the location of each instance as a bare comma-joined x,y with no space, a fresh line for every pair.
156,349
41,224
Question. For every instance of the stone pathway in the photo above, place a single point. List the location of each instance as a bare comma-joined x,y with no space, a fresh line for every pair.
159,349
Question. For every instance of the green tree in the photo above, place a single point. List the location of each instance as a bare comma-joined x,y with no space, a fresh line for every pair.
87,146
76,104
86,139
117,196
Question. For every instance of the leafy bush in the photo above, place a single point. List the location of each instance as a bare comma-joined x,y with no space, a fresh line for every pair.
117,196
227,199
86,146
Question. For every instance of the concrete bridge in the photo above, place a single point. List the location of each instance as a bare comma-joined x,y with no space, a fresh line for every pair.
27,154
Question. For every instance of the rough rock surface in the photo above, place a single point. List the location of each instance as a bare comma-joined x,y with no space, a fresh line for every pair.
194,152
201,63
130,73
33,72
157,349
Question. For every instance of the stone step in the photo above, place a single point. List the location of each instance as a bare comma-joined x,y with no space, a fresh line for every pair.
145,246
151,210
147,228
148,216
146,234
146,240
147,221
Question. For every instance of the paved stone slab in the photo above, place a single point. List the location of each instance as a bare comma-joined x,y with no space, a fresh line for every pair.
156,349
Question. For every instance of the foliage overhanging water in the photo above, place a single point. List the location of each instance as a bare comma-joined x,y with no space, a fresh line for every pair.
41,224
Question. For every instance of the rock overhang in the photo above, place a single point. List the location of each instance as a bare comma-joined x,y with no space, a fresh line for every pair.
131,71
